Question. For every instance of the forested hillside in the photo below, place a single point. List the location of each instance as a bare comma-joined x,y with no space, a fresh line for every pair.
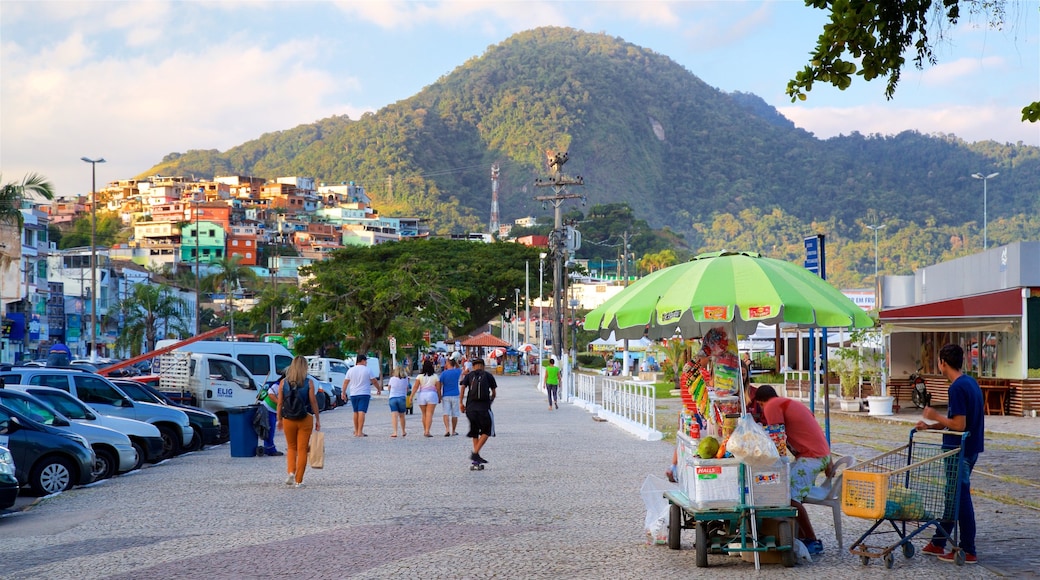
721,170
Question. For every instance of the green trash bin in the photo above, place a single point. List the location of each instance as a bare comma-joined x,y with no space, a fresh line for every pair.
240,429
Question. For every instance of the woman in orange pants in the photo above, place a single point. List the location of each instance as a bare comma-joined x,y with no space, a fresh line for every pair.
297,428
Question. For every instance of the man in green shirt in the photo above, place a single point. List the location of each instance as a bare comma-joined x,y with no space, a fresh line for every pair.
552,383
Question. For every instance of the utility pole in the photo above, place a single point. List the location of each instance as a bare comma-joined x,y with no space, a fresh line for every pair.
558,182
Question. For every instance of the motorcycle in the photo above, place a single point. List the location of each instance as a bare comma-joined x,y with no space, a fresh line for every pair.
919,391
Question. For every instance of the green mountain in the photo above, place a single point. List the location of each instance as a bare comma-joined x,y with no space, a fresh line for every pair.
722,170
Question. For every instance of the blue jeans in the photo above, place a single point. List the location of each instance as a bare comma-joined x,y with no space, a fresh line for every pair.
965,509
272,425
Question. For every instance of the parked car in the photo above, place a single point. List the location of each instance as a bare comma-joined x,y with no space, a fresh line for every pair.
146,438
46,459
206,425
8,480
113,450
107,399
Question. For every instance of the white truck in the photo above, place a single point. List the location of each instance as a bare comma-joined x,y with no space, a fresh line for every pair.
211,381
265,361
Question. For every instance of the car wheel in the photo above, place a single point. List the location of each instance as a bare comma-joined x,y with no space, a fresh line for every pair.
171,443
106,463
139,450
196,440
51,475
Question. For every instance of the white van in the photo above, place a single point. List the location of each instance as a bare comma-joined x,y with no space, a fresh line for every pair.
265,361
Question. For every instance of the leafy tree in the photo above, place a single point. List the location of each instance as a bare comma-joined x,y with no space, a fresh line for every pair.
658,260
110,230
274,304
149,308
363,295
878,33
230,276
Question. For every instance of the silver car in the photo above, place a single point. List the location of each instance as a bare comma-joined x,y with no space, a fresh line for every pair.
145,437
113,450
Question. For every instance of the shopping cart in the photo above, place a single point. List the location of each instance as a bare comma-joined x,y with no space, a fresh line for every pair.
912,488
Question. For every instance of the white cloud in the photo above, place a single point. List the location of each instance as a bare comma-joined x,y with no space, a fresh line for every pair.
971,123
133,111
955,71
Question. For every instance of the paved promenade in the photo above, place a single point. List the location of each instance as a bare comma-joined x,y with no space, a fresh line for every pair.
559,499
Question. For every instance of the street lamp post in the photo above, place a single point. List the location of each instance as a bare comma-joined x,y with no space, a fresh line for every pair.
877,304
541,323
93,254
516,318
985,218
876,228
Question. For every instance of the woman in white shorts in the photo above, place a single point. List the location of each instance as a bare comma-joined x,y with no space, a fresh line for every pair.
427,393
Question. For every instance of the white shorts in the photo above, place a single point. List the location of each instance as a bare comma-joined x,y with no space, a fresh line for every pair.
450,406
426,398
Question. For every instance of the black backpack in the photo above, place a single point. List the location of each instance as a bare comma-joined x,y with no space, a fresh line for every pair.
294,405
479,388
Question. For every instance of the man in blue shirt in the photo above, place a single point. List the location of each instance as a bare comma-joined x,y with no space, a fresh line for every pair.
965,413
450,396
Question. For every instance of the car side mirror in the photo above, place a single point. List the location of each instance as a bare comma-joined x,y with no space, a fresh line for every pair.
10,426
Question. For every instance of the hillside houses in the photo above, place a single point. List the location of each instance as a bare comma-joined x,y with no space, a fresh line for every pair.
175,224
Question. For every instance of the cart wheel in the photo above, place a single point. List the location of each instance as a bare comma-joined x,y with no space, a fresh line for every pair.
864,560
908,550
675,516
785,537
958,557
890,560
702,544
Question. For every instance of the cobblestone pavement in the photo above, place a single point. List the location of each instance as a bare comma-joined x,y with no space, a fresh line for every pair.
559,499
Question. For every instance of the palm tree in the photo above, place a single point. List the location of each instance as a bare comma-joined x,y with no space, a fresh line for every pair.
148,308
229,277
11,197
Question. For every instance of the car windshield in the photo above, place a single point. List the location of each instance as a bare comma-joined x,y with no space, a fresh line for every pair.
137,392
65,403
338,367
32,409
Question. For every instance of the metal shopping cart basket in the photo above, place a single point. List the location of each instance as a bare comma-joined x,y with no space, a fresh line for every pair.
912,488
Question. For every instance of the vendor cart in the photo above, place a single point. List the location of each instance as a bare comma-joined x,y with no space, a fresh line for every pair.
726,531
911,488
734,507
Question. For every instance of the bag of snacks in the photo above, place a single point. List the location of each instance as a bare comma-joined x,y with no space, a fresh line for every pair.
751,444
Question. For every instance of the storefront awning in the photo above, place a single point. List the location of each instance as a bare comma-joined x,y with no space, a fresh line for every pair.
995,311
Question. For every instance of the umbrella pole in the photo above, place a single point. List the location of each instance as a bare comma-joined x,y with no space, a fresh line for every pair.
746,468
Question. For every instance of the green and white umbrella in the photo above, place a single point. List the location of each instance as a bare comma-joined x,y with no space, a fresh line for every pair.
734,289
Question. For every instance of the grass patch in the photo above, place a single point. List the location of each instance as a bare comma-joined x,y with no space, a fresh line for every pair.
1006,499
663,390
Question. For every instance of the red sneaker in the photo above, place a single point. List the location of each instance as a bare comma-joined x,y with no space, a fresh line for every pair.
932,550
968,558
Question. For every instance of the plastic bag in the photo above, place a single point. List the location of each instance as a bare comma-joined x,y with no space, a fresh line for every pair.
751,444
656,523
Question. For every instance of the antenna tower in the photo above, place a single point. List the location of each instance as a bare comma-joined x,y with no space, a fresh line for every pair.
494,199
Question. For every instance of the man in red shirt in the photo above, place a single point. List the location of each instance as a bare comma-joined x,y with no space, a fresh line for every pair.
806,441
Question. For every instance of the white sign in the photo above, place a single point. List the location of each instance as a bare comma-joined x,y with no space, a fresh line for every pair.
393,345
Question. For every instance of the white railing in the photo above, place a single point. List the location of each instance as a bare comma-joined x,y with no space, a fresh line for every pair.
631,405
632,401
585,389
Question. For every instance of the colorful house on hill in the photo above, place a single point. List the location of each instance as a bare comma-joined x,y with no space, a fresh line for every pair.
208,238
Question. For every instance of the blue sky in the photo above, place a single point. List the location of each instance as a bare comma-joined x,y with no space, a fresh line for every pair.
134,81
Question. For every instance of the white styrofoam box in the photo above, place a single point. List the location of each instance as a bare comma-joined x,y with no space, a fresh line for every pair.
771,485
713,483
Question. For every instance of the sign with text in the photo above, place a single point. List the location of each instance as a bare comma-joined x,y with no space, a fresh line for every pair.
816,256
